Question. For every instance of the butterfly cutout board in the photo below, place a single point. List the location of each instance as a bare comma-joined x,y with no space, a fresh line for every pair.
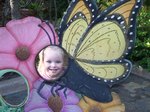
89,51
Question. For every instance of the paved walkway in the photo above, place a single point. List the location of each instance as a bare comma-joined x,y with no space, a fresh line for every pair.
135,92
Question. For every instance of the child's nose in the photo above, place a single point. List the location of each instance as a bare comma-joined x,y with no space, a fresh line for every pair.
53,64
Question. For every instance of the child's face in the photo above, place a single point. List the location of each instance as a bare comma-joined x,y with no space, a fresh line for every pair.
53,64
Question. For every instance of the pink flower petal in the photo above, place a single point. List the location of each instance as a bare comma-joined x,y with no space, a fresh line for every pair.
71,108
25,30
7,43
45,91
35,102
43,39
8,61
30,63
71,97
70,100
69,103
37,83
41,110
24,69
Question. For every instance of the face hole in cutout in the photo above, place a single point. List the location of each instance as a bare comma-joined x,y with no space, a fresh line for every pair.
52,62
13,89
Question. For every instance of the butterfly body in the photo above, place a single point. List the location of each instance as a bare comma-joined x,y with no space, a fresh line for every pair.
78,80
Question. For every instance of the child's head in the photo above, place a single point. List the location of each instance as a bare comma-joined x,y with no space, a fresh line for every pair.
52,63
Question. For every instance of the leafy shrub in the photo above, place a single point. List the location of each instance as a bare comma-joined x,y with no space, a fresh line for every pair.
141,52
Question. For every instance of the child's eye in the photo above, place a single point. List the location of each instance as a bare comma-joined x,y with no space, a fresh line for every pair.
58,61
49,61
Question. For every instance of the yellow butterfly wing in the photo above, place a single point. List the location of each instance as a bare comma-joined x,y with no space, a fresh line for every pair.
125,10
105,41
105,71
84,8
81,7
100,50
87,8
73,34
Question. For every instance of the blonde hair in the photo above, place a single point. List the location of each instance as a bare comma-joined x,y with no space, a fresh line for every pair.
40,66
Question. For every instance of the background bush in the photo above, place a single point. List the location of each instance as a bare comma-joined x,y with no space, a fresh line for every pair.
141,52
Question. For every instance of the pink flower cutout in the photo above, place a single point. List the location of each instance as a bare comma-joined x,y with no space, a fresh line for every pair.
49,103
20,42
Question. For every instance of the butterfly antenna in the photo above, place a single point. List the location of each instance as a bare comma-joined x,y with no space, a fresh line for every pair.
52,89
52,31
39,89
46,33
65,90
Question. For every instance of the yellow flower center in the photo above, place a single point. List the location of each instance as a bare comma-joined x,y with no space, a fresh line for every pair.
22,53
55,103
94,109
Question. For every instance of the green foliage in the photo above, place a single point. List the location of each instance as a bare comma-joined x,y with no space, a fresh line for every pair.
103,4
37,9
51,10
141,52
5,108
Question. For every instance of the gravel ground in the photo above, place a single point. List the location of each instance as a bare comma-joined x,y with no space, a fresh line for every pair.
135,92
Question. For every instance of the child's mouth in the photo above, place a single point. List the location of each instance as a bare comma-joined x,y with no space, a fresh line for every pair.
53,70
